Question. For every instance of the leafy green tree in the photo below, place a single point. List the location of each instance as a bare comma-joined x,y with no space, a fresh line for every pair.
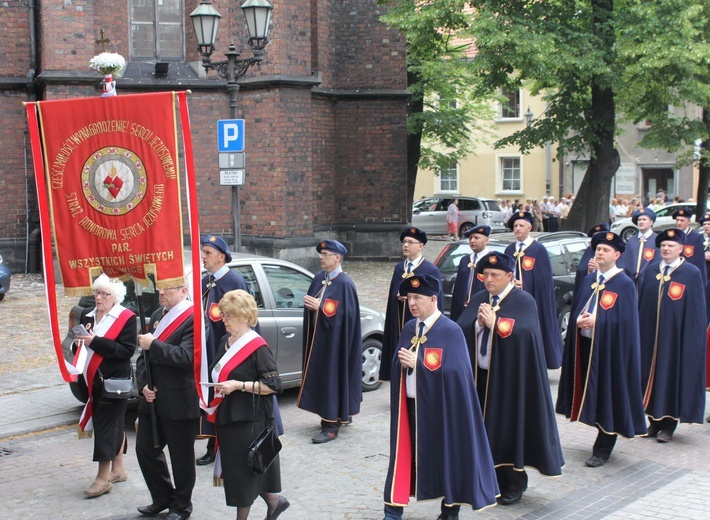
678,52
575,54
445,120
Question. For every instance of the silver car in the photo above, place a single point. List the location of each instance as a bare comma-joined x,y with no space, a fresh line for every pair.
429,214
278,287
5,278
625,228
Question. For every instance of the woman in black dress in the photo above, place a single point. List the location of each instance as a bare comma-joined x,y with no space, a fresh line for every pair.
111,339
247,375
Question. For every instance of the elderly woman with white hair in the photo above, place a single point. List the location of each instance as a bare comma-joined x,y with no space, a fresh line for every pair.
110,343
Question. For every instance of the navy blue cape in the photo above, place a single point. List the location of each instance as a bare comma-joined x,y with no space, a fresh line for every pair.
516,402
214,326
629,259
467,284
452,460
332,351
694,252
673,361
537,280
609,395
398,312
582,269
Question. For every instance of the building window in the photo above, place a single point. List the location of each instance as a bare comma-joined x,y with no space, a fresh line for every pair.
510,105
449,179
511,179
157,30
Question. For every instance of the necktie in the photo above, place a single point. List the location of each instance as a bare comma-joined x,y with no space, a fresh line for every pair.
665,270
416,345
409,266
487,331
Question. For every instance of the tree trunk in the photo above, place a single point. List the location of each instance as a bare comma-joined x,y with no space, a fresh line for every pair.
414,146
591,203
703,170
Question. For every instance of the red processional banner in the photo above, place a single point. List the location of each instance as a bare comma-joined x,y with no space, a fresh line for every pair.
113,181
108,189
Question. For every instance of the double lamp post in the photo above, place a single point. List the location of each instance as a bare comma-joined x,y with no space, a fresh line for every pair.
205,20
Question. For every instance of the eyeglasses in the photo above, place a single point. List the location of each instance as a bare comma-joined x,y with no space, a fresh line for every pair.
410,242
227,316
102,294
172,288
326,255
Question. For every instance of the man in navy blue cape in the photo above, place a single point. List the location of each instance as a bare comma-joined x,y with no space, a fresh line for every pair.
694,247
220,279
587,264
332,345
673,339
641,250
533,274
505,346
438,444
600,382
413,241
468,282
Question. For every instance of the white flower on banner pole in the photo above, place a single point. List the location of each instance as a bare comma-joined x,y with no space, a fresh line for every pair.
110,65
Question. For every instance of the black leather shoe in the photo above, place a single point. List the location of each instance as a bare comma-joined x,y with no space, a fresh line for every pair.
653,430
442,516
178,515
664,436
280,508
206,459
324,436
510,498
595,461
151,510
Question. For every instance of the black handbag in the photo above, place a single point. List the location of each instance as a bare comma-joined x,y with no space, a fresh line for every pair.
116,387
264,449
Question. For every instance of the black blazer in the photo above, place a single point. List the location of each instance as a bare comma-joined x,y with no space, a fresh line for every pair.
116,353
172,369
240,406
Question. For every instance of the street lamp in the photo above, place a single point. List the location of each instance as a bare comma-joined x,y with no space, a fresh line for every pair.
528,117
205,21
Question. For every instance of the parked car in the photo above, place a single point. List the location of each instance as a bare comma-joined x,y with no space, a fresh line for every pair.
429,214
564,247
278,287
664,220
5,278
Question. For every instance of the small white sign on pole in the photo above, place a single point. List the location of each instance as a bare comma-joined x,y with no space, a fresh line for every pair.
231,177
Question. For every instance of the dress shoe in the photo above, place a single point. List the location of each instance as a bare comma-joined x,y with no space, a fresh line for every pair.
653,430
280,508
324,437
151,510
178,515
510,497
97,489
206,459
594,461
442,516
664,436
118,478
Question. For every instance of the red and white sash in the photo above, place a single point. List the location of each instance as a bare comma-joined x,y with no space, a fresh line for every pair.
174,318
93,360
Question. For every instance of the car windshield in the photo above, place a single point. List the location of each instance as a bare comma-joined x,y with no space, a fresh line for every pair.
492,205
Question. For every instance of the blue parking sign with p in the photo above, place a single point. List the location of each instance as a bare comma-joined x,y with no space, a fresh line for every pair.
230,135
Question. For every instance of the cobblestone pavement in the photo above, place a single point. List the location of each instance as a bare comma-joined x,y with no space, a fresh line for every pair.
44,468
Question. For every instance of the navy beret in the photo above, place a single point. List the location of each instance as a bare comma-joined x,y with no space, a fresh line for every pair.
333,246
609,239
425,284
682,212
598,229
415,233
525,215
219,244
676,235
645,211
704,218
496,260
479,230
